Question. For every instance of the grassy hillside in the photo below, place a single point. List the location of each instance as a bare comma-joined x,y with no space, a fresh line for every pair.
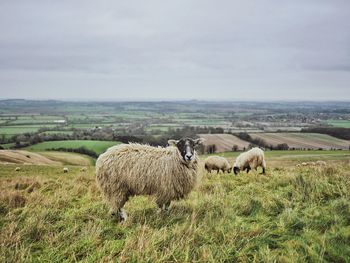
97,146
290,215
68,158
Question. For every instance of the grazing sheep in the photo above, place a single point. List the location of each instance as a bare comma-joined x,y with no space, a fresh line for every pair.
312,163
217,163
304,164
133,169
17,169
298,165
65,170
321,163
251,159
83,169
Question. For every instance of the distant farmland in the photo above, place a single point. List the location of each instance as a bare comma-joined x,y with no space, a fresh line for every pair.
303,140
97,146
224,142
339,123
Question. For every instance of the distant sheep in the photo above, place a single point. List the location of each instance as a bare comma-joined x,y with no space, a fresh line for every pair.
83,169
17,169
251,159
217,163
321,163
65,170
317,163
133,169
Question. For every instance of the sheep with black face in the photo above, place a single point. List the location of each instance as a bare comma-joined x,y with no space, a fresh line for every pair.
167,173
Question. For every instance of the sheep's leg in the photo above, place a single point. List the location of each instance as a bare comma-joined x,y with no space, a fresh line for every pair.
117,204
163,206
263,167
248,169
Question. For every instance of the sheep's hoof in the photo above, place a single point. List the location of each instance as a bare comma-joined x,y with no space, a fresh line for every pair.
119,216
123,216
165,208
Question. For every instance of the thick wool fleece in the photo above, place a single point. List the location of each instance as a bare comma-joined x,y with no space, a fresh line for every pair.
134,169
253,158
217,163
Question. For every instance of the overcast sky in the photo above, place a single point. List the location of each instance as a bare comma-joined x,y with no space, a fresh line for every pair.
183,49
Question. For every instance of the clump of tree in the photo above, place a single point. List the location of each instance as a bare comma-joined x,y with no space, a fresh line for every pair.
282,146
81,150
211,148
253,141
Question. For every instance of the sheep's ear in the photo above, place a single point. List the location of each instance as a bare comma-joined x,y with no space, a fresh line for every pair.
199,141
172,142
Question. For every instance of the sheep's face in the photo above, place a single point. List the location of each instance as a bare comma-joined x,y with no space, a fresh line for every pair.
186,147
236,170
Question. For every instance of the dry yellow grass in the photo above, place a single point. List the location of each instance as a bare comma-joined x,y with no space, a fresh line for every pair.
44,158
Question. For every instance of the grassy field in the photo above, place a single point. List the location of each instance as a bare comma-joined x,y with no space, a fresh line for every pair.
18,129
339,123
290,215
97,146
7,145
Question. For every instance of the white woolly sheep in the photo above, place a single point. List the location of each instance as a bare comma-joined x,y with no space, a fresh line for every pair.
251,159
17,169
321,163
133,169
304,164
83,169
217,163
65,170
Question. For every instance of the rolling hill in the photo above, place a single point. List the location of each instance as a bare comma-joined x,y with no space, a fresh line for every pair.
224,142
303,140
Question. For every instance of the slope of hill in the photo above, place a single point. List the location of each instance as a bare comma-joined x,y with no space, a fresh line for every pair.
44,158
303,140
224,142
25,157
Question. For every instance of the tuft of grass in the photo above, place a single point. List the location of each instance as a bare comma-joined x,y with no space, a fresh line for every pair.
289,215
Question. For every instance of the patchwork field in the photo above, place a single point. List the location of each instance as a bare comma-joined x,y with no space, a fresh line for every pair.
224,142
96,146
290,215
18,129
303,140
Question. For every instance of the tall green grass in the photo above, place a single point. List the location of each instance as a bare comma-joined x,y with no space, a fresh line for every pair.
290,215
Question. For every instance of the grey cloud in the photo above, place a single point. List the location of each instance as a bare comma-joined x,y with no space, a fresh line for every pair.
150,49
